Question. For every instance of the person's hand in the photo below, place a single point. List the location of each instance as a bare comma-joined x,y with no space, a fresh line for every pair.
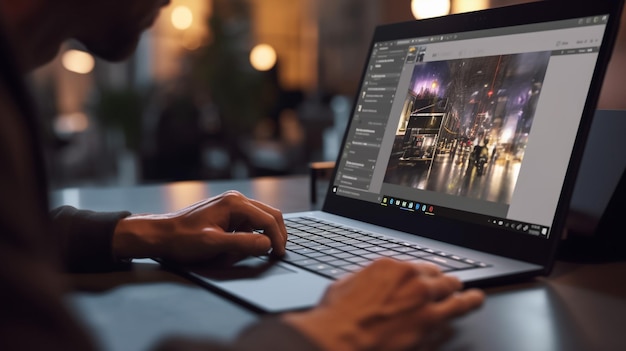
221,225
389,305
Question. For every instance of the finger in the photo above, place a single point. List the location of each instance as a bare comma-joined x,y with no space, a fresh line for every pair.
277,214
242,243
389,275
252,214
409,296
258,217
401,284
428,268
442,286
391,272
458,304
425,289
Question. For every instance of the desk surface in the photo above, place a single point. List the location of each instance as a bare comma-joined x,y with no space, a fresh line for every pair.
578,307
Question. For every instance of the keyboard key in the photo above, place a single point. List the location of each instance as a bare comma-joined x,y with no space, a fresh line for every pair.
392,246
345,254
448,262
331,251
387,253
326,259
352,268
403,257
292,256
373,256
358,259
317,266
314,254
333,272
417,253
358,252
307,262
363,245
292,247
340,263
303,251
443,268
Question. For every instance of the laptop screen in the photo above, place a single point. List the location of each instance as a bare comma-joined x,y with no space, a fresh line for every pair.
476,126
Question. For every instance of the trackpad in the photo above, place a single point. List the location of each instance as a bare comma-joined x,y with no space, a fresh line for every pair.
265,284
248,268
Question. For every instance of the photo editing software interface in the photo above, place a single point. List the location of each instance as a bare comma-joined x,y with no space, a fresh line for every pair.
476,126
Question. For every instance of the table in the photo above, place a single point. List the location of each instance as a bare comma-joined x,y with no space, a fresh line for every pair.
578,307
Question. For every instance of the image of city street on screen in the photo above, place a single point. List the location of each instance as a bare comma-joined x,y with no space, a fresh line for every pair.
465,124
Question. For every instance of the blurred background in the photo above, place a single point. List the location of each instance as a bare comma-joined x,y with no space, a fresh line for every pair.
221,89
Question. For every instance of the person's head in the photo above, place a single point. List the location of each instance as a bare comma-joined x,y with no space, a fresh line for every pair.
110,29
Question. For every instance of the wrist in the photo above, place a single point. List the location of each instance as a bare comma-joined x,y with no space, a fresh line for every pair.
136,237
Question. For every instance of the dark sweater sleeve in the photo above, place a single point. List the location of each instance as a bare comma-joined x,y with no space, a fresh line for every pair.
86,238
268,334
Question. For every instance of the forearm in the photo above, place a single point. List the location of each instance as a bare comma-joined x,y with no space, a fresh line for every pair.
86,237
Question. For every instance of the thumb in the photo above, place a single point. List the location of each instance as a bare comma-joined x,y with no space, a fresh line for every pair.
245,243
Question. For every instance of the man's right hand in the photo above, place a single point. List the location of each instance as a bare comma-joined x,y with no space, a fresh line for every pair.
389,305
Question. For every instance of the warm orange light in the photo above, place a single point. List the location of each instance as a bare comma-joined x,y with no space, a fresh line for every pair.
182,194
469,5
191,41
78,61
182,17
263,57
429,8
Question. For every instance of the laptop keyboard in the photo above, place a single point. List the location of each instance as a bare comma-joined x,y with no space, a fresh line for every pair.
333,250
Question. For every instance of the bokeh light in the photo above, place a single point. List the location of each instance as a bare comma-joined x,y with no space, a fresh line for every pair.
182,17
78,61
429,8
263,57
469,5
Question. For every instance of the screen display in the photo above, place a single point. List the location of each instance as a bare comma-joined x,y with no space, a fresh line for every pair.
476,126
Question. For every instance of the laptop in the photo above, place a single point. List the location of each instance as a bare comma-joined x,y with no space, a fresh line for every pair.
462,150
